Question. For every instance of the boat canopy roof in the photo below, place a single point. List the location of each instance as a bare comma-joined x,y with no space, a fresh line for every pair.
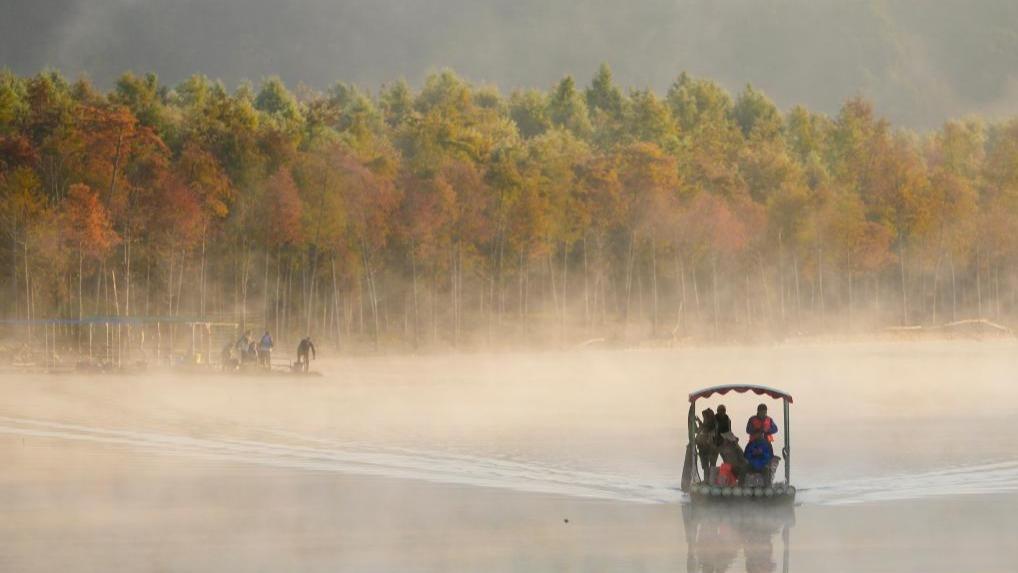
741,389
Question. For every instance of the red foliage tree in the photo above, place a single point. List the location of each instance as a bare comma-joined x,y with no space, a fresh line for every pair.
284,210
88,224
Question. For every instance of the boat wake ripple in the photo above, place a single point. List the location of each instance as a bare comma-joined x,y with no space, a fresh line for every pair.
525,476
404,463
982,479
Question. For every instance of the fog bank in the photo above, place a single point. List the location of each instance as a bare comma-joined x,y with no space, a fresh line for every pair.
919,63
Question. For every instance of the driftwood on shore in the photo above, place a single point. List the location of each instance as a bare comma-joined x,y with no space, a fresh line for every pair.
968,327
591,342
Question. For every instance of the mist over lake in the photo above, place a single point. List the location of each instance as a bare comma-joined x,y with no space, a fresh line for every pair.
465,462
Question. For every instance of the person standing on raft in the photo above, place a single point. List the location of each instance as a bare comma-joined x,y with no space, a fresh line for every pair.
761,425
707,441
724,423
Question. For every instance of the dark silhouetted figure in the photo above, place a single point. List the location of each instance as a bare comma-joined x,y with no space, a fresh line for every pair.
724,423
706,442
229,362
303,349
243,347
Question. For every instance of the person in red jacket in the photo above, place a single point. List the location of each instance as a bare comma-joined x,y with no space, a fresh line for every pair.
761,425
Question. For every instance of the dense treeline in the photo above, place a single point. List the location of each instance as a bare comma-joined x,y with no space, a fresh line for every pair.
456,216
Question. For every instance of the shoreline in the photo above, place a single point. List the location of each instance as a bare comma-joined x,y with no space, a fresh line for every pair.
892,335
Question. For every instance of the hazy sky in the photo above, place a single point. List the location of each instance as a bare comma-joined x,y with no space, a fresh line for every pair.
921,61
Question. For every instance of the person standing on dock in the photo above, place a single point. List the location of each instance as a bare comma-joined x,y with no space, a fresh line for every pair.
303,349
229,363
265,350
243,347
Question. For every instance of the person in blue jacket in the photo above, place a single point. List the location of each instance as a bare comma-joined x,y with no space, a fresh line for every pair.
759,454
265,350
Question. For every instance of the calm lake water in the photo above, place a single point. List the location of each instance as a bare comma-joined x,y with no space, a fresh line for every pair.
537,462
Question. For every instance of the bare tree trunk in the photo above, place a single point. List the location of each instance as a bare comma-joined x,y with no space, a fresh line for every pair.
979,285
936,285
996,292
265,292
14,274
851,300
820,284
286,296
604,297
127,288
954,290
28,293
309,297
522,298
360,307
413,268
245,271
1014,291
749,303
116,306
565,283
459,290
275,299
336,307
148,293
904,285
714,288
180,283
683,304
586,288
552,288
500,278
798,293
483,318
326,328
876,294
696,291
765,306
781,276
629,279
169,286
81,313
452,296
372,294
526,293
433,299
653,288
519,289
202,275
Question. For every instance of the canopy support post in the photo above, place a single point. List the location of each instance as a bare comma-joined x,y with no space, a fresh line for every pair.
692,440
690,474
788,446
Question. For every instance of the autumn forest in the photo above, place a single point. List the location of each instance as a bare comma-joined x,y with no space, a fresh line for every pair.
455,216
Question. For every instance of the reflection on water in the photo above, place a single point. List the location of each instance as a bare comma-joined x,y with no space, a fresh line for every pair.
716,536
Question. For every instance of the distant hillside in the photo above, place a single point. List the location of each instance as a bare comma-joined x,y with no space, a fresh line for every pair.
919,61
